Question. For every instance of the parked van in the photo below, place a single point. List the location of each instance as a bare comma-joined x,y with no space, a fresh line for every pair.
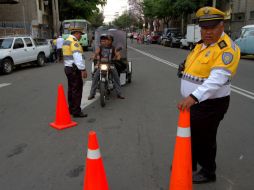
193,35
246,40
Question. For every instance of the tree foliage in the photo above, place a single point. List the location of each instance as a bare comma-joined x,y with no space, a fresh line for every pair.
75,9
171,9
96,19
127,20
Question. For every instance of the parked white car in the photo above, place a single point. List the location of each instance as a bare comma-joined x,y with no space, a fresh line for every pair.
184,43
18,50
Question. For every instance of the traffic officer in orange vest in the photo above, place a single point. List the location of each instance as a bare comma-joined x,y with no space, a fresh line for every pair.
75,70
205,86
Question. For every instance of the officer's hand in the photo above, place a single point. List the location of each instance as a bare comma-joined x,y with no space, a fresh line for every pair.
186,103
180,69
84,74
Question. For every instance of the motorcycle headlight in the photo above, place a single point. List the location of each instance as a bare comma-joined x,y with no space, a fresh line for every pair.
103,67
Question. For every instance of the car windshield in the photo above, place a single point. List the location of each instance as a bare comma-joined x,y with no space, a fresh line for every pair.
6,43
68,25
248,32
177,35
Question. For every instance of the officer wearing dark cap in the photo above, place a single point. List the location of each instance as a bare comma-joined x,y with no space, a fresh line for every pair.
205,87
75,70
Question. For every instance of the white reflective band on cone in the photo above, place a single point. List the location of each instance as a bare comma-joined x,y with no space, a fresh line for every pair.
183,132
93,154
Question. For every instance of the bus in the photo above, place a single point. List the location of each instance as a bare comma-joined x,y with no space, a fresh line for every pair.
86,38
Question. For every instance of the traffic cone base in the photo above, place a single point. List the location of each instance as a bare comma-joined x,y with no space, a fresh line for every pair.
60,127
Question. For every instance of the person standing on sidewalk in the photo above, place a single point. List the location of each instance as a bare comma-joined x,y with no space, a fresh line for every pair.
75,70
205,86
59,46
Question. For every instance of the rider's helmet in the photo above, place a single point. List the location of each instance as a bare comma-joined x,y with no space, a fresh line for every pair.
103,37
110,37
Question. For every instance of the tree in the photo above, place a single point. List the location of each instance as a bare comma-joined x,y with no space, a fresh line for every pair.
122,21
171,9
96,19
136,12
127,20
74,9
162,9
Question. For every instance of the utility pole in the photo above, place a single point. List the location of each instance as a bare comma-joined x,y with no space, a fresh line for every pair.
214,3
24,16
246,11
55,13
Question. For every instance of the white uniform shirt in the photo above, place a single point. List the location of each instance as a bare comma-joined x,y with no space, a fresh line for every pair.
59,43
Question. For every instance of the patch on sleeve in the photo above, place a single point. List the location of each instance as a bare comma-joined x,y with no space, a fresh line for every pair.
76,45
222,44
227,57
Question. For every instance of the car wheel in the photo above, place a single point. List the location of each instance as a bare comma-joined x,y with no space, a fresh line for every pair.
7,66
41,60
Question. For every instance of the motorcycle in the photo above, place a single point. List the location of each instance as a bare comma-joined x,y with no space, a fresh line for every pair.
106,82
123,66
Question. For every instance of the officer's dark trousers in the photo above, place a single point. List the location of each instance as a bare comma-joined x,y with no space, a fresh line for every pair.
205,120
75,89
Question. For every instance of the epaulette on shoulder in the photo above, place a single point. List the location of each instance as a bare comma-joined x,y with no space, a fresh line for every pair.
222,44
200,42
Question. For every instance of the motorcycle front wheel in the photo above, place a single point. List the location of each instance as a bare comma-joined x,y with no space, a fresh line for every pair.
102,94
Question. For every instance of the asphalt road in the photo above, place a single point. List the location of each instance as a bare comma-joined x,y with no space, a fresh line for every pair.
136,135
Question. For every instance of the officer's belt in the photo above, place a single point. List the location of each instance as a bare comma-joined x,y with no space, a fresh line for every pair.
197,80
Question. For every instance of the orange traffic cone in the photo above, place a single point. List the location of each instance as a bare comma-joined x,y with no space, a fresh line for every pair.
95,176
181,174
63,118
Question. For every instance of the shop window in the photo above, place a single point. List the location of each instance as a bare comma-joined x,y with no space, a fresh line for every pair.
239,17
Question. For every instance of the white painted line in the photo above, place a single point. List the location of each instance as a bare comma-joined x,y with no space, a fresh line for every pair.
246,91
242,93
156,58
235,89
4,84
86,91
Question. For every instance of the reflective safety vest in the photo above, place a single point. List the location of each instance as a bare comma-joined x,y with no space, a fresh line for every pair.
224,54
70,46
54,42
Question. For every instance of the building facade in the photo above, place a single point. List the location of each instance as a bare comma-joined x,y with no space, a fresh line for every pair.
242,14
38,18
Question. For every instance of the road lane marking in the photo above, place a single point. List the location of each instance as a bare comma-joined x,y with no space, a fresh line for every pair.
242,93
155,57
246,91
235,89
86,91
4,84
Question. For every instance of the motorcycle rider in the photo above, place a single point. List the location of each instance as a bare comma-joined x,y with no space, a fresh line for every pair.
106,53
